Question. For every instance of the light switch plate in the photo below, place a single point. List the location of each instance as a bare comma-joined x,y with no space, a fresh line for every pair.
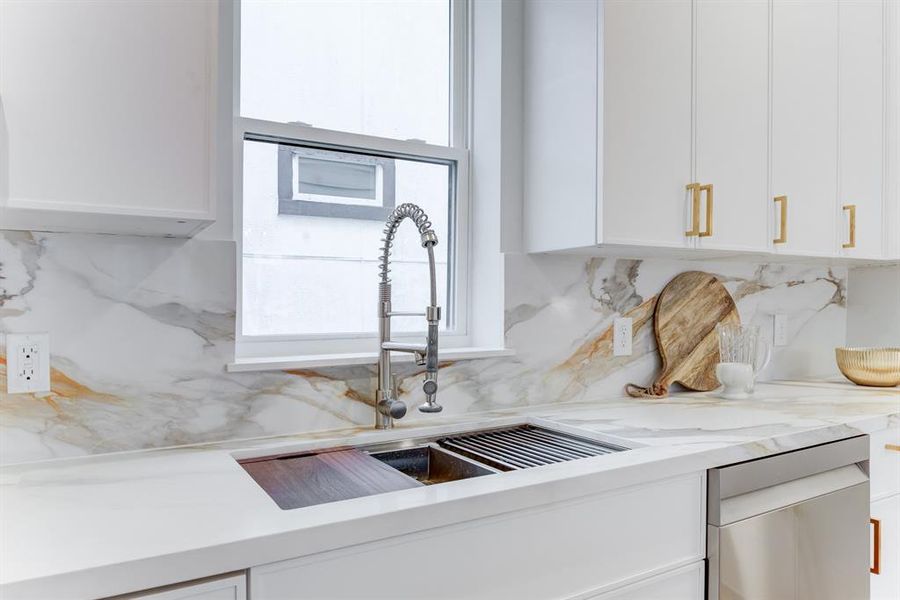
622,334
27,362
780,330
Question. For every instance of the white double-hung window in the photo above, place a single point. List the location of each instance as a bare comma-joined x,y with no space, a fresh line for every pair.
345,110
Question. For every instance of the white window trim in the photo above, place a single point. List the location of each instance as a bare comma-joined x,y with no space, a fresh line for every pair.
287,351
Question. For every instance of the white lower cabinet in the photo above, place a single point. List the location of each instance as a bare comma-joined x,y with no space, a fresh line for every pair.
884,462
885,584
884,471
686,583
578,548
231,587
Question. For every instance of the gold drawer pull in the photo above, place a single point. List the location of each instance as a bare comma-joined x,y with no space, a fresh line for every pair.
852,209
708,188
694,188
876,567
781,239
892,447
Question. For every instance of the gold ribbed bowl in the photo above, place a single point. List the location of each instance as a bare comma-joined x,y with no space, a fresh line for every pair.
870,366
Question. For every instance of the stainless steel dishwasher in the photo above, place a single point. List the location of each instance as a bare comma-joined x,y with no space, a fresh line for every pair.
791,526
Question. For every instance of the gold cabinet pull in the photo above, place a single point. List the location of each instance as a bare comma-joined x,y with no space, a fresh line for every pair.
694,188
893,447
876,562
708,188
852,209
781,239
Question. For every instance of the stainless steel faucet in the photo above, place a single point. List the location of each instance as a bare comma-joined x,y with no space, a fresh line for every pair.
387,406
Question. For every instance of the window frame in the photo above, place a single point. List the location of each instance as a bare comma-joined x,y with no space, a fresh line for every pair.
359,348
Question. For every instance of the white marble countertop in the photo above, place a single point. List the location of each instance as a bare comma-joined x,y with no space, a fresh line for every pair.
116,523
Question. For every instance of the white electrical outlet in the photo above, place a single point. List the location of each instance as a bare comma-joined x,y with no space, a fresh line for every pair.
27,362
780,330
622,337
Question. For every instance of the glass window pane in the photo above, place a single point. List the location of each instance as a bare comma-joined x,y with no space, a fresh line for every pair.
377,67
333,178
318,275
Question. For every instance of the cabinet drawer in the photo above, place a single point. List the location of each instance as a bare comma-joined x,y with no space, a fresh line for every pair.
884,462
686,583
559,550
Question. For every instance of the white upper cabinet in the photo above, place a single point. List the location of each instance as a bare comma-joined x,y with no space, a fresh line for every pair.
861,226
560,106
646,150
607,158
106,115
732,121
805,124
672,127
892,130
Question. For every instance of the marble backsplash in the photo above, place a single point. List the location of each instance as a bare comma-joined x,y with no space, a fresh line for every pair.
141,329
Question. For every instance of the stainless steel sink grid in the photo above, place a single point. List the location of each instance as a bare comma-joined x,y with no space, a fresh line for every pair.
525,446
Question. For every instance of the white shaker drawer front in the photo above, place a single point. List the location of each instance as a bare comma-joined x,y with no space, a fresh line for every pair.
884,462
686,583
566,549
885,553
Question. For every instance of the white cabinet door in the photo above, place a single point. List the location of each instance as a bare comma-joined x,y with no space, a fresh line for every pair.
861,126
561,112
805,123
107,115
557,550
885,585
647,122
732,121
892,130
233,587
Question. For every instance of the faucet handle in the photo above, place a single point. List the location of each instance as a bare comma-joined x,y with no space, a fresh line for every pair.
395,409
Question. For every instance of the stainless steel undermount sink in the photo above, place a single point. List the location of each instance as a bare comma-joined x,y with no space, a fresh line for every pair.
333,474
429,464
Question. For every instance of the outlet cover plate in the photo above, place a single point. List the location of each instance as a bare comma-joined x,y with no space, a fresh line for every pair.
780,330
27,362
622,334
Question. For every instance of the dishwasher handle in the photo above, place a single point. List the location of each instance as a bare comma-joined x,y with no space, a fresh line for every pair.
743,479
783,495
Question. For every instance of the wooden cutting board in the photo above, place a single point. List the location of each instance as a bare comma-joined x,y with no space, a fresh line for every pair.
340,474
684,323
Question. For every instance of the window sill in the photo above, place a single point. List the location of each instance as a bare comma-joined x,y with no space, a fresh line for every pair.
282,363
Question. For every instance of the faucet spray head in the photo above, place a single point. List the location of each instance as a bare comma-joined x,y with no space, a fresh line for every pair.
429,238
430,388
